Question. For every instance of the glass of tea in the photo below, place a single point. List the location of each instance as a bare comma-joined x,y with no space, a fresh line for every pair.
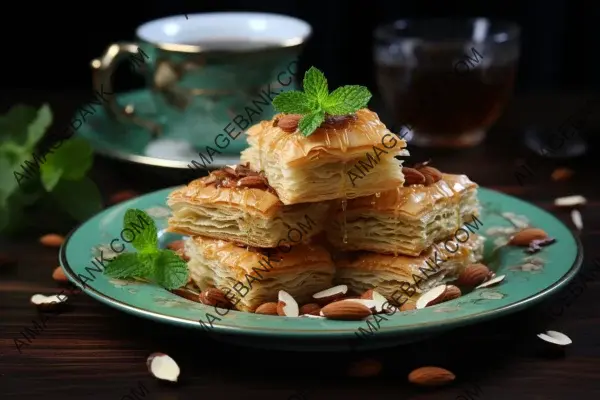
446,80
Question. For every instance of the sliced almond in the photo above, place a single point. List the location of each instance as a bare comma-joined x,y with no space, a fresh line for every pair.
163,367
555,338
267,309
413,177
346,310
215,297
310,308
289,122
526,236
252,182
52,240
287,305
431,376
328,295
48,303
570,201
492,282
59,275
577,219
378,299
431,297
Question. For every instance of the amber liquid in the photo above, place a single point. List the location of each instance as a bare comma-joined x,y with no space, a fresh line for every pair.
441,102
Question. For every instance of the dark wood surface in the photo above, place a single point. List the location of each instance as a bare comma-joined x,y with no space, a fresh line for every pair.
94,351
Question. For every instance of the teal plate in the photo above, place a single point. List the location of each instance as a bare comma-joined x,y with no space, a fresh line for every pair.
529,278
128,142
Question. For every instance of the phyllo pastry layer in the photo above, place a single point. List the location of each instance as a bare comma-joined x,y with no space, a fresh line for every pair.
413,276
406,220
347,158
237,204
250,277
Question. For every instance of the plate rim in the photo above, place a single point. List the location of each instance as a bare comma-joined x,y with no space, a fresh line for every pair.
219,328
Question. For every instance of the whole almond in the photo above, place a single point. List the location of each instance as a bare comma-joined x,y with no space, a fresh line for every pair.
52,240
122,196
431,376
214,297
310,308
473,275
345,310
187,294
59,275
407,307
412,177
365,368
289,123
432,175
368,295
451,293
337,121
267,309
176,245
527,235
252,182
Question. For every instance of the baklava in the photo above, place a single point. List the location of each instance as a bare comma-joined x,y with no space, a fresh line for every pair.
406,220
237,204
346,157
412,276
250,277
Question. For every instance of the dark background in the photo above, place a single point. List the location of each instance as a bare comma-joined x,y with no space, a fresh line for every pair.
48,45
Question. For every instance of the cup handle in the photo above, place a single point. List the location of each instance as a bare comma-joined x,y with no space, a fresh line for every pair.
102,72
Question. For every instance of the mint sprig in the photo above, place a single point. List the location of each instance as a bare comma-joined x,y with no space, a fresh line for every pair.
162,266
315,103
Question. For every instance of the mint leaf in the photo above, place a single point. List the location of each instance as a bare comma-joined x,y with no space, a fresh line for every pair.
145,238
8,183
293,102
310,122
86,202
315,84
126,265
347,100
24,125
170,271
70,161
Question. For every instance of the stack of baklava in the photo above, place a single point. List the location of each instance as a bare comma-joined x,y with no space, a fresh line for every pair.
262,218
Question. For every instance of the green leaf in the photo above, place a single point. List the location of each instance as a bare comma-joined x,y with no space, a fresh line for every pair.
70,161
145,239
24,125
294,102
126,265
315,84
170,271
309,123
347,100
80,199
8,183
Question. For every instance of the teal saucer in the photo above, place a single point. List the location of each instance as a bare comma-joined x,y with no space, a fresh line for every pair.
529,279
128,142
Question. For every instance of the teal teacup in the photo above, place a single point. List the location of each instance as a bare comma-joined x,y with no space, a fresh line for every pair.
210,75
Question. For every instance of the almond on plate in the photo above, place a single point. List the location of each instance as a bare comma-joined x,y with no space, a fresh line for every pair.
287,305
346,310
52,240
328,295
267,309
451,293
431,376
310,308
214,297
527,235
431,297
473,275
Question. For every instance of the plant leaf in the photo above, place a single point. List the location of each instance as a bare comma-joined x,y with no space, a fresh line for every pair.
347,100
170,271
70,161
315,84
145,239
8,183
310,122
294,102
80,199
126,265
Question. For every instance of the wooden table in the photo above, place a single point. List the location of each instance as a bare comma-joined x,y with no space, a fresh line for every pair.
94,351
